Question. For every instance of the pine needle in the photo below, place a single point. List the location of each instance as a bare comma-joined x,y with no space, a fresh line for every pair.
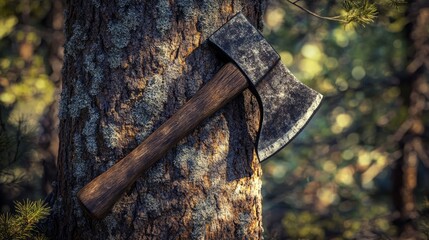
360,12
22,225
354,12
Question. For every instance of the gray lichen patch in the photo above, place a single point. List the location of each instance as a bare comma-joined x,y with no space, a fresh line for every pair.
148,110
114,57
131,18
78,149
112,225
198,167
152,205
191,159
215,133
90,131
163,16
92,65
192,87
76,42
120,31
187,9
120,34
244,221
79,166
111,135
79,100
80,170
145,117
215,130
184,154
157,174
205,23
224,213
156,93
202,215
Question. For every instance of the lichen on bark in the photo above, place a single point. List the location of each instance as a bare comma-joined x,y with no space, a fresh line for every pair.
129,65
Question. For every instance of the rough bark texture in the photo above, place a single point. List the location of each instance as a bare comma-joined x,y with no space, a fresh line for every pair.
128,66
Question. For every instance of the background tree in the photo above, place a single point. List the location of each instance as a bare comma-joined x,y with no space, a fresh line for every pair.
412,134
128,66
345,165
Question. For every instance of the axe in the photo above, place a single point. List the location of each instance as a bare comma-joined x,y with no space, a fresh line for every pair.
286,105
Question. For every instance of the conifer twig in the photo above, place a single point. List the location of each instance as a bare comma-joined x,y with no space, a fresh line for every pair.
335,18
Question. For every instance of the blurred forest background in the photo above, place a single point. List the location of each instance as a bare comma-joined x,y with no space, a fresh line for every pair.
359,170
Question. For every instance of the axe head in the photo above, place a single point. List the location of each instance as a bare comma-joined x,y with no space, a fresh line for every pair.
286,104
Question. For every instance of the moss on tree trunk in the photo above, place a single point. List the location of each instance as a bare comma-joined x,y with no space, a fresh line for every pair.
128,66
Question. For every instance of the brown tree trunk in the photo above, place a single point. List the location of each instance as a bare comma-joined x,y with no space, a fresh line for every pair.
128,66
416,94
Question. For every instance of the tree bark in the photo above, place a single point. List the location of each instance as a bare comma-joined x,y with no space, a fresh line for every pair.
128,66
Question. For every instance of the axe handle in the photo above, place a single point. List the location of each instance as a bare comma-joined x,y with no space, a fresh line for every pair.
98,196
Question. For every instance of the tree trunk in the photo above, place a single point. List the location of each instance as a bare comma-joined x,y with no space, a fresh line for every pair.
415,90
128,66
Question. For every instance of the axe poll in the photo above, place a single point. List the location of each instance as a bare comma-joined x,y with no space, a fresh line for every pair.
286,105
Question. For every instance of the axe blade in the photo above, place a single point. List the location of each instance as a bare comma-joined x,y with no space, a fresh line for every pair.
286,107
286,104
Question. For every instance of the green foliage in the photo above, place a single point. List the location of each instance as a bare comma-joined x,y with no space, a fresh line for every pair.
24,83
359,12
16,143
25,91
302,225
22,225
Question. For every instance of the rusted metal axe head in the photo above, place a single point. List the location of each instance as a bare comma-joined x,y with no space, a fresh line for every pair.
286,104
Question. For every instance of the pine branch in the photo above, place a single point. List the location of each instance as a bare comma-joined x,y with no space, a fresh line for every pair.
355,12
22,225
335,18
359,12
16,143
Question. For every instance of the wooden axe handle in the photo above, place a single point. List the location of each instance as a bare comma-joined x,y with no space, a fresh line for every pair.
98,196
